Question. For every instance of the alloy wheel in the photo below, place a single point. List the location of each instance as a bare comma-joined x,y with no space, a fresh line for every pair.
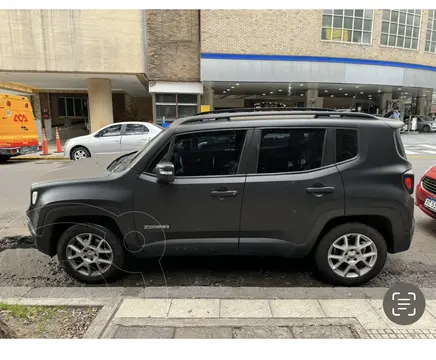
352,255
80,154
89,254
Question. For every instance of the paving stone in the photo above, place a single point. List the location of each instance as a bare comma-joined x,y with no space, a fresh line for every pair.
146,332
245,309
194,308
359,309
324,332
203,333
270,332
296,308
144,308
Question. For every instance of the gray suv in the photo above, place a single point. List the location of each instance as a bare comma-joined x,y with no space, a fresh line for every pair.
336,187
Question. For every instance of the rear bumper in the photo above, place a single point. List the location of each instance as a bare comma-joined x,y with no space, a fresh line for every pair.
19,150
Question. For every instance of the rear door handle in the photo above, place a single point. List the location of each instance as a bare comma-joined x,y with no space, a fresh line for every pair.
224,193
320,190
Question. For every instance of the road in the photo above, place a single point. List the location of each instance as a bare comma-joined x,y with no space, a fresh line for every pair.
24,266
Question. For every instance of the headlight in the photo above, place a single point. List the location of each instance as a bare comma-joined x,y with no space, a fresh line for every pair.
34,197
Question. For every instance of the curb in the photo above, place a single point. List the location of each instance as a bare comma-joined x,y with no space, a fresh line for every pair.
33,158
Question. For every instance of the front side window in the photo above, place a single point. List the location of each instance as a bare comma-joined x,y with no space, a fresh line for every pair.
290,150
400,28
114,130
346,144
352,26
204,154
136,129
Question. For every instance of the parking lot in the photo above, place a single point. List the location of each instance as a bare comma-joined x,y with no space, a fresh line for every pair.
21,265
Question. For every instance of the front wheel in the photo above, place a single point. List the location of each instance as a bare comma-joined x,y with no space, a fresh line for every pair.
90,253
351,254
79,153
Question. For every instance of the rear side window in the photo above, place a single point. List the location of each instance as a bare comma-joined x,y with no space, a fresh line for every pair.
346,144
290,150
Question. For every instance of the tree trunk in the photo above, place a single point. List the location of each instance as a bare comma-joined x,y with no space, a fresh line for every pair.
5,332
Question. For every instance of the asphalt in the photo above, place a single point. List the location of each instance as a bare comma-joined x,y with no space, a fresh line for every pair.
21,265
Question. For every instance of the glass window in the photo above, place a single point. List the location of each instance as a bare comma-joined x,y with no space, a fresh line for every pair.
136,129
400,23
346,144
347,25
174,106
166,98
161,156
187,99
208,153
70,107
61,107
169,112
78,107
290,150
430,43
114,130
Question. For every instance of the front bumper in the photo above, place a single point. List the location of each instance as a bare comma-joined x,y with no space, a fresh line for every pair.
421,195
39,238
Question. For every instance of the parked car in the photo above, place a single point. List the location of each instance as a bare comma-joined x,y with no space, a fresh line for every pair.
425,123
425,197
111,139
333,186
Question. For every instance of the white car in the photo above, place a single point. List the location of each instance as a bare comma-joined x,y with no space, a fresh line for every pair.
115,138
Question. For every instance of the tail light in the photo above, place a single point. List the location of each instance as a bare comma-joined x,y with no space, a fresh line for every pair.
26,105
409,181
8,103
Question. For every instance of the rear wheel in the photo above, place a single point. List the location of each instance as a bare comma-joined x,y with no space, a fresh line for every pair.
351,254
426,128
80,152
90,253
3,158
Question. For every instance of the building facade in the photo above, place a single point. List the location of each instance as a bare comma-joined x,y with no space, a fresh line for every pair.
95,67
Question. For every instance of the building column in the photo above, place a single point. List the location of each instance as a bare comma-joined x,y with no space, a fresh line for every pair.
384,98
420,105
153,105
311,99
207,97
100,103
130,110
428,102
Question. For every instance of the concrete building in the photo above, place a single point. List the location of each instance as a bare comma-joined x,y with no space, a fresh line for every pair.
104,66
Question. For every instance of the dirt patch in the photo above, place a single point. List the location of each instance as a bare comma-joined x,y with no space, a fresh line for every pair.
46,322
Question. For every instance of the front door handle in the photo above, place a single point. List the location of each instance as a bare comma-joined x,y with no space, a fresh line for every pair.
224,193
320,190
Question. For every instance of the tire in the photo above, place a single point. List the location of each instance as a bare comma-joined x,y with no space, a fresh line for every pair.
426,128
80,152
326,244
116,259
3,159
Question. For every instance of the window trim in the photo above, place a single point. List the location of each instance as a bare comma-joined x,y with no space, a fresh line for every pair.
257,138
432,32
244,158
358,145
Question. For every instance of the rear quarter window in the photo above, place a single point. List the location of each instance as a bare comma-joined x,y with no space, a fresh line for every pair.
347,145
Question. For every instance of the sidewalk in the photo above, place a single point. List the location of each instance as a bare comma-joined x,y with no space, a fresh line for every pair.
227,313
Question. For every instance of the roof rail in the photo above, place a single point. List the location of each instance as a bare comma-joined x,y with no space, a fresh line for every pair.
246,110
226,116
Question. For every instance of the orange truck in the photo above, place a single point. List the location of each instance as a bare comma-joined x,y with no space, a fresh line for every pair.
18,129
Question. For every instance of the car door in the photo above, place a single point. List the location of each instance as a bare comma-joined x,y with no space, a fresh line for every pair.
134,137
292,189
107,140
199,212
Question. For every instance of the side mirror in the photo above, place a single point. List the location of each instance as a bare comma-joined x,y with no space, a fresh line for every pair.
97,134
165,172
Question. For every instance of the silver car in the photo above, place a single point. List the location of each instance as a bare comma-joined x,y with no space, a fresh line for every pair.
425,123
115,138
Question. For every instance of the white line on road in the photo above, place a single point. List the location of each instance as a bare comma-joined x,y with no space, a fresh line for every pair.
428,146
429,151
408,152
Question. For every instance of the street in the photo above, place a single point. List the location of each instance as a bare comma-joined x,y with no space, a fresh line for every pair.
21,265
